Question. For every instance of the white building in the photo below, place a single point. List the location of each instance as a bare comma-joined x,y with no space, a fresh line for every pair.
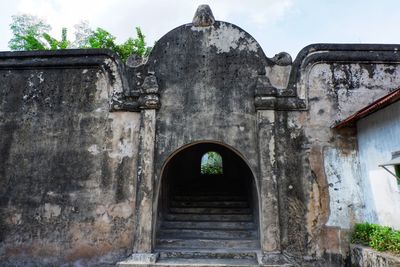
378,134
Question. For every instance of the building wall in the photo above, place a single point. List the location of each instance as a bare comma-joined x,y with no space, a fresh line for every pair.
70,140
378,137
66,162
335,81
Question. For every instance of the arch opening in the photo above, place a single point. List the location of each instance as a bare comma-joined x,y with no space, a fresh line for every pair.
197,209
211,163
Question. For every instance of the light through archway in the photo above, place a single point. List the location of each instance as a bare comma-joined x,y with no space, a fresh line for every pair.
211,164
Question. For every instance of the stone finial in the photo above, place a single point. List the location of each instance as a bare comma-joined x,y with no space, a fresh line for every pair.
203,16
282,59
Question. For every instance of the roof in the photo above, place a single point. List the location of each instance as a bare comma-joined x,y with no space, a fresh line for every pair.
371,108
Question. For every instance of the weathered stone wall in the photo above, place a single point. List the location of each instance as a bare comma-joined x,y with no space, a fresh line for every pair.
67,163
207,77
336,81
70,143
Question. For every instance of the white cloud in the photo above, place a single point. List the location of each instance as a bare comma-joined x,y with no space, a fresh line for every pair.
261,13
278,25
155,17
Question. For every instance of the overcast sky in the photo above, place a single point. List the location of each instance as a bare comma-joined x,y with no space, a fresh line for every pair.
278,25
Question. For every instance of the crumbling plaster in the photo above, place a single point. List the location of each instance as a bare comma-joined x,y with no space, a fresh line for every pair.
80,132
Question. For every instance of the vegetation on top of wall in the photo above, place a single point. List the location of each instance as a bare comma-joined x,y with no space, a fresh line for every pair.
381,238
32,33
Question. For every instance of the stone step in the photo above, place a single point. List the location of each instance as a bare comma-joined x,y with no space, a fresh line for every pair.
206,254
207,243
207,225
207,210
206,191
206,258
209,198
209,217
208,233
175,262
210,204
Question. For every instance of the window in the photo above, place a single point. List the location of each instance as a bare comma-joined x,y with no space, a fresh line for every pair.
397,172
393,166
211,163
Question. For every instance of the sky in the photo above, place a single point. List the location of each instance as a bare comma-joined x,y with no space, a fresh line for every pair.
278,25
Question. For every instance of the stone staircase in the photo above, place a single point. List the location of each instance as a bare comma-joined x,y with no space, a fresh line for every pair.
206,226
210,229
207,230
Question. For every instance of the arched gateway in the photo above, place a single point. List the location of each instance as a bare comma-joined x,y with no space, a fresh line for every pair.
206,81
214,207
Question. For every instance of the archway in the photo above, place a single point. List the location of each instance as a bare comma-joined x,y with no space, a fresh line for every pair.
208,200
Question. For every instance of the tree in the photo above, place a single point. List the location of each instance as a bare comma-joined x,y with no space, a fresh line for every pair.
54,43
101,38
82,34
27,32
31,33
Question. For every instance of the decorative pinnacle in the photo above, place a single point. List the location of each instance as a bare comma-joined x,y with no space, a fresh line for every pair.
203,16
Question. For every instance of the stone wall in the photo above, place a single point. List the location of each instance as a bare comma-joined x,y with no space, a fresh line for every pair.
76,155
366,257
67,163
335,81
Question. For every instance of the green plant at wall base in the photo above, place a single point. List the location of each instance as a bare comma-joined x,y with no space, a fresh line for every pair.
362,233
381,238
394,245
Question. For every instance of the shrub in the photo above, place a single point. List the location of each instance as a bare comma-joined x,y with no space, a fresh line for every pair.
394,245
362,233
381,238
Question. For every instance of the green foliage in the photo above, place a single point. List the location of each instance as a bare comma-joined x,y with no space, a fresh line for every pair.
136,46
54,44
31,33
362,233
211,163
101,38
27,32
30,42
381,238
394,244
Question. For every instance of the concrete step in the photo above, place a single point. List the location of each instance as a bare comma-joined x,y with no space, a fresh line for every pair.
207,225
207,243
208,233
211,210
206,254
205,258
209,217
175,262
209,198
210,204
